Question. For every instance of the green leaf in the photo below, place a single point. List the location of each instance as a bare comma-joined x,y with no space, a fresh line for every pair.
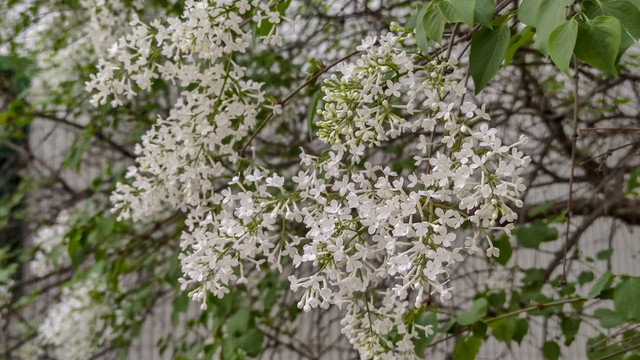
239,322
476,312
467,349
421,35
488,48
504,330
561,43
542,208
412,20
528,10
551,350
531,236
73,159
180,305
585,277
602,284
570,326
484,12
522,328
433,23
633,183
626,298
609,318
422,341
251,342
551,14
516,42
458,10
627,14
604,254
598,43
496,300
506,250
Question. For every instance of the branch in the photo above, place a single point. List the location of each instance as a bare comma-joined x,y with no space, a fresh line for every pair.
292,94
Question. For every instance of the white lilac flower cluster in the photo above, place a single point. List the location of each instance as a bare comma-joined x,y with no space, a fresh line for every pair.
103,22
72,327
180,159
49,241
374,241
382,242
87,318
186,159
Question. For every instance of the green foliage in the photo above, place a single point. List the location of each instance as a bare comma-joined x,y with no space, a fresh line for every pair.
551,350
550,15
458,10
570,326
476,312
603,283
484,12
598,42
433,24
467,349
608,318
488,49
626,297
624,11
536,233
528,12
561,43
633,183
422,342
504,244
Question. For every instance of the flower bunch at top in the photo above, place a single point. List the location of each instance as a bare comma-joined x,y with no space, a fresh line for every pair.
184,156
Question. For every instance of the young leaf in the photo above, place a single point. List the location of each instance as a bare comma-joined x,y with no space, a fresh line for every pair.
551,14
626,297
561,43
488,48
476,312
598,43
433,23
516,42
484,12
527,11
458,10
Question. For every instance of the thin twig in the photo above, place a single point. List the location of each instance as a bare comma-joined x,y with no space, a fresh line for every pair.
574,139
610,151
611,356
610,129
535,307
451,40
